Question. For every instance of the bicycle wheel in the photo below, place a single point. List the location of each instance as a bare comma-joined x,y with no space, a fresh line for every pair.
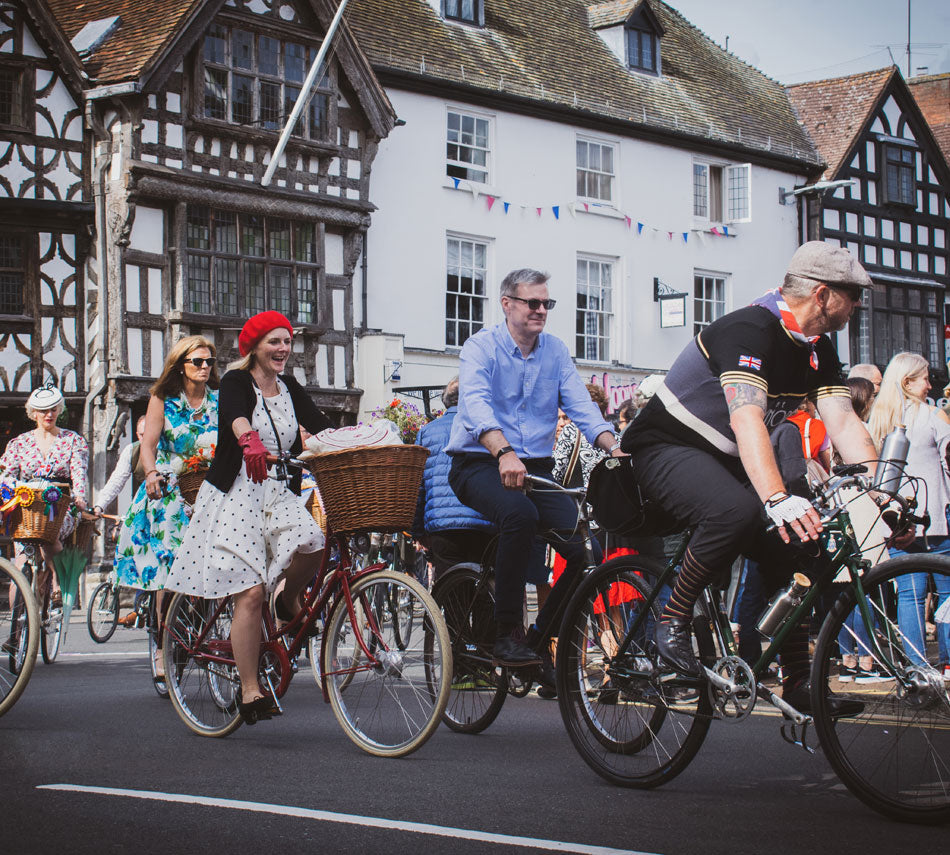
478,691
895,754
630,727
400,606
52,620
102,616
19,634
202,679
388,702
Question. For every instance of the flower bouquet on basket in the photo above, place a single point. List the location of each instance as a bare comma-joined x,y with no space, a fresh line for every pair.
406,417
195,468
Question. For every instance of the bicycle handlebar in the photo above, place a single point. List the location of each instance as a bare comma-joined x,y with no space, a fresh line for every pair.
536,482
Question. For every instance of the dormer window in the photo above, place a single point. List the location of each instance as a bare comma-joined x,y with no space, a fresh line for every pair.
466,11
643,33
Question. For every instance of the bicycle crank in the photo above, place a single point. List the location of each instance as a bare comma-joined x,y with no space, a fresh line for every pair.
731,688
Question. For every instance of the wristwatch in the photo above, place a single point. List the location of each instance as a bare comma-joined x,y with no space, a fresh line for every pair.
502,451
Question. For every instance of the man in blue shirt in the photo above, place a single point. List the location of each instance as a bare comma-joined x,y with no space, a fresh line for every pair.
513,377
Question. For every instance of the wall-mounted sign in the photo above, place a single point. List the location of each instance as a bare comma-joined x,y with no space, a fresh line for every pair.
673,310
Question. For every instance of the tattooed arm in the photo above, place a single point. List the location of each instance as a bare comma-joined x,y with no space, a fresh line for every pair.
847,432
747,405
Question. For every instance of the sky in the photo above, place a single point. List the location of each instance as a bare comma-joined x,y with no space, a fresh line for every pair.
794,41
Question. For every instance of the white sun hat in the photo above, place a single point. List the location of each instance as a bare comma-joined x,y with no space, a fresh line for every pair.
47,397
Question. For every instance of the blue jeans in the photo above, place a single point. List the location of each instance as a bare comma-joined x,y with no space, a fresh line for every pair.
847,641
911,594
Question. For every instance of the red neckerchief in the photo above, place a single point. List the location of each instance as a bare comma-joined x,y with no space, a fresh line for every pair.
772,300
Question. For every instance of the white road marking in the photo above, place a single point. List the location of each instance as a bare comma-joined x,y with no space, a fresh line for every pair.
348,819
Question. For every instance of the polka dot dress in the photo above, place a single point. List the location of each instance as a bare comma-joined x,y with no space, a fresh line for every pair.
247,536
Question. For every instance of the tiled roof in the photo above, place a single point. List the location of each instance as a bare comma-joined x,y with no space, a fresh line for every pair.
546,52
147,26
835,111
932,94
611,12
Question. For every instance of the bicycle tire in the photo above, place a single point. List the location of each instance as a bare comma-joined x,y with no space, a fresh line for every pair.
52,621
634,732
478,690
895,754
19,632
102,616
161,686
391,704
400,607
205,694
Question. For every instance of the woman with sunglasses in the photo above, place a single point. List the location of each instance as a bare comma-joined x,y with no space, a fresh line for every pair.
182,416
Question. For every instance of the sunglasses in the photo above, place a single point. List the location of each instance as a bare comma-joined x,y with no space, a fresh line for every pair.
853,291
199,361
535,304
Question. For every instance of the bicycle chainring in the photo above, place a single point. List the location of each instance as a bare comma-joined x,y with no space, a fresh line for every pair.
736,703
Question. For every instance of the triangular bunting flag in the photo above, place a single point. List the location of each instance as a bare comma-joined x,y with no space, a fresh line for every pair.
639,228
587,207
456,180
539,212
725,230
557,211
714,230
685,237
629,221
572,208
669,235
490,200
507,206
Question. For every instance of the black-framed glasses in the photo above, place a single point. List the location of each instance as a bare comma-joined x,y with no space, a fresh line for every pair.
200,361
534,304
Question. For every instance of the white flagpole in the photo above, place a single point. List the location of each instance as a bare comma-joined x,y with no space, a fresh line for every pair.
304,96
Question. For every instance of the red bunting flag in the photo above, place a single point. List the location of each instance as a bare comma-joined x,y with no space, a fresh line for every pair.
629,222
490,200
539,212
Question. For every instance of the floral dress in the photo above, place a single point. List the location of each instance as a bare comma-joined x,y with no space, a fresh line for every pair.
66,460
153,529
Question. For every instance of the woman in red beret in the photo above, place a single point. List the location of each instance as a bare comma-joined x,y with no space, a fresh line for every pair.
249,530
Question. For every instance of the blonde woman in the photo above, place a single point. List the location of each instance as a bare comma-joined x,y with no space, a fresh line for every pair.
182,416
903,400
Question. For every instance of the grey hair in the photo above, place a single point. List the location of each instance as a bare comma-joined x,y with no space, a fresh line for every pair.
450,394
525,276
58,409
798,287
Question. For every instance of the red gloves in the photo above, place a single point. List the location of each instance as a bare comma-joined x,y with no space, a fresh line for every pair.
255,456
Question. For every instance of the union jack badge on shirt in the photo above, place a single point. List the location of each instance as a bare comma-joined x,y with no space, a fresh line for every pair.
750,362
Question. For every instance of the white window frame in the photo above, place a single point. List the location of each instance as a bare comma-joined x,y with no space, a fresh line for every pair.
608,314
700,321
488,149
603,144
457,293
727,173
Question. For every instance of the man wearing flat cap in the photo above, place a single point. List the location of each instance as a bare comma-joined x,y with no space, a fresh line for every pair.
701,447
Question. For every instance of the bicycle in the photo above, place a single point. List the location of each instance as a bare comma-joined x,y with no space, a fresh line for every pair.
50,607
628,716
388,698
102,618
19,634
465,594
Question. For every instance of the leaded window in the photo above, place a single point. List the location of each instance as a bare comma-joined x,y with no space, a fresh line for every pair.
12,274
239,264
594,309
900,187
641,49
13,98
465,295
468,11
894,319
254,79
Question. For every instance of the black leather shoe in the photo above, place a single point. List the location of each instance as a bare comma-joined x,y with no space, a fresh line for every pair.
799,696
513,653
675,648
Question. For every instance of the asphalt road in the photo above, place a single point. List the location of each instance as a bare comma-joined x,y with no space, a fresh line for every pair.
92,761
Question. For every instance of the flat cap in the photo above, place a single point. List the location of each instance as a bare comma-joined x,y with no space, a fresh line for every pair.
833,265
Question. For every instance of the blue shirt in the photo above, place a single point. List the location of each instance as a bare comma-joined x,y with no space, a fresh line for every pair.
501,389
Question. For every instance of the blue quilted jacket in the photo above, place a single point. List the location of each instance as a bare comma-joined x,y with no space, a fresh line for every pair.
438,508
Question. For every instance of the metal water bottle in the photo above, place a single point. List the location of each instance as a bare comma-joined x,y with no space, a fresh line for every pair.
890,469
783,604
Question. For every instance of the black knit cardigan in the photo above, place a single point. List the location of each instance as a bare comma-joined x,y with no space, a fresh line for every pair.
237,398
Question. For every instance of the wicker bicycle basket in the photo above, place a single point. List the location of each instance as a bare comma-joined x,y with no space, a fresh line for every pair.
189,483
83,533
315,506
32,521
370,488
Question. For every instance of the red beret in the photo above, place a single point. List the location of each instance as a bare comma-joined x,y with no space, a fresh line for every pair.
258,326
